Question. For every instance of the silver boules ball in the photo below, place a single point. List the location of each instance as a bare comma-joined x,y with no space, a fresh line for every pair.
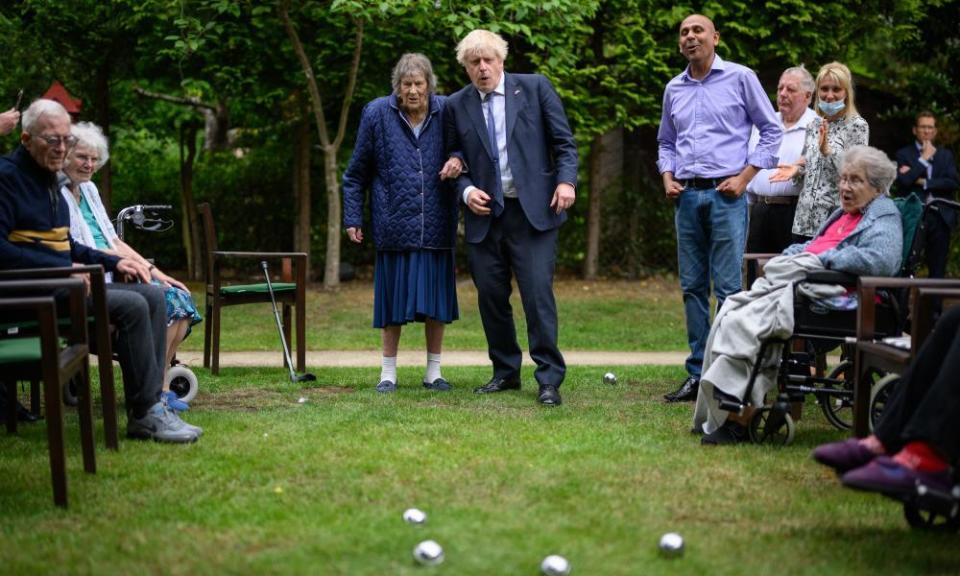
414,516
428,553
671,545
554,565
610,378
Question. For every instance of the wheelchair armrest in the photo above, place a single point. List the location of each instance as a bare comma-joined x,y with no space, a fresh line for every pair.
831,277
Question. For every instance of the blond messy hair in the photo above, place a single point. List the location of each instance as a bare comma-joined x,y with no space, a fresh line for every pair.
481,42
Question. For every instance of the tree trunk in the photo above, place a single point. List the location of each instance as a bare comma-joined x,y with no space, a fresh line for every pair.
590,263
302,194
188,209
102,115
331,271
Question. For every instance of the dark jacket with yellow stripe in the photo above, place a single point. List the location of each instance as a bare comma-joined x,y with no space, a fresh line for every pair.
35,219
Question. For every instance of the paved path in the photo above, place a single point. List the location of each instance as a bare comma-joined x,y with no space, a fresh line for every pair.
417,358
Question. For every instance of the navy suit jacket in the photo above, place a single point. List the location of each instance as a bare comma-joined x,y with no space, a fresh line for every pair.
942,182
541,150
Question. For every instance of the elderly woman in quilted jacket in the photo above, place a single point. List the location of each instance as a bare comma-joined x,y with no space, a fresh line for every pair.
399,158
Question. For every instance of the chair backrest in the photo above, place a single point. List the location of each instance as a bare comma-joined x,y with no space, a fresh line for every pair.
911,214
208,235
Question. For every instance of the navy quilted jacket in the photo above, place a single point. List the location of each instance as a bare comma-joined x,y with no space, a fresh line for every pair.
412,208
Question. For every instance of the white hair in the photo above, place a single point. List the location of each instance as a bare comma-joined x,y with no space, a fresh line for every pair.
37,110
806,78
879,169
91,135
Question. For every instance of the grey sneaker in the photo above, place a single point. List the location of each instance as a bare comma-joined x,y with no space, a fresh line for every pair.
162,425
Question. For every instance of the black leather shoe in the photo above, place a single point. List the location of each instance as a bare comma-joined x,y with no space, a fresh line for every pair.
687,392
499,385
549,396
23,414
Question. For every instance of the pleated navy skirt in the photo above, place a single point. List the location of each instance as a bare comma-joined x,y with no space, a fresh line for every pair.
411,286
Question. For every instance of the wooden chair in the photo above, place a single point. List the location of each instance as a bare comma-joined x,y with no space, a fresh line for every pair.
102,338
290,291
43,356
872,355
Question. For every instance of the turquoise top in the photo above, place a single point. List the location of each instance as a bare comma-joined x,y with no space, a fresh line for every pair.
99,239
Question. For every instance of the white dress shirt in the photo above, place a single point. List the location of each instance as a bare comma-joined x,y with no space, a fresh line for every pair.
791,147
500,123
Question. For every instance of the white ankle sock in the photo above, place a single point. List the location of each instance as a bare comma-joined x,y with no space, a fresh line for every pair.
388,369
433,368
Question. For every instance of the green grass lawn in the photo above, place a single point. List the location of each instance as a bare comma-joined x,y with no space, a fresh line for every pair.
279,487
616,315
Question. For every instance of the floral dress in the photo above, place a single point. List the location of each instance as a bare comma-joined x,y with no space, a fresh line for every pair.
821,174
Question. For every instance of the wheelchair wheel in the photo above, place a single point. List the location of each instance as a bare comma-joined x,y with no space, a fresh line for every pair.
839,409
70,394
930,520
183,382
772,426
879,394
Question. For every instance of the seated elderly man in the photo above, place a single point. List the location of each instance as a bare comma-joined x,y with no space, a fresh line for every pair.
864,237
34,233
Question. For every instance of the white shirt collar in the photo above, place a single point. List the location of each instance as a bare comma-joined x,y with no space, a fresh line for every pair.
498,90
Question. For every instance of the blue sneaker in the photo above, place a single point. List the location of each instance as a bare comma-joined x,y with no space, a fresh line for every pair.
386,387
173,401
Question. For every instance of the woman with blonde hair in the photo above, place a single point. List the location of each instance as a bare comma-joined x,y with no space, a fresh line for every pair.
838,126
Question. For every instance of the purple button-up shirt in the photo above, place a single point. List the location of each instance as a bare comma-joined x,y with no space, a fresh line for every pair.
705,127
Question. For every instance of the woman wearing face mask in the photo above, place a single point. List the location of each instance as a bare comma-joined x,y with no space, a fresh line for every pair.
837,127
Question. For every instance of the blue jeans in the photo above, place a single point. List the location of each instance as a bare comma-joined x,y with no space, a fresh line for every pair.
711,235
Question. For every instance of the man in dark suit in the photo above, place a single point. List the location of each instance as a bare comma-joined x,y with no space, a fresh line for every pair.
520,177
931,173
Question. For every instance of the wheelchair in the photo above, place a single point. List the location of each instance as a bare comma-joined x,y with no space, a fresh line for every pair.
801,373
149,218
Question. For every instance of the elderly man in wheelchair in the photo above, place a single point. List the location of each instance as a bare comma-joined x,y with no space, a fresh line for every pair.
742,364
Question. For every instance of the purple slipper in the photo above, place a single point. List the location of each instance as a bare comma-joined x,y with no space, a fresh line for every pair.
887,476
843,456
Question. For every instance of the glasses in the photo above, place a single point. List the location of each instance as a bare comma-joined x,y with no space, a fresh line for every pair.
86,159
67,141
852,180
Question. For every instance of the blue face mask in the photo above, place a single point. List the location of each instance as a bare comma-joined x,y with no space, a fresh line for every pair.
831,108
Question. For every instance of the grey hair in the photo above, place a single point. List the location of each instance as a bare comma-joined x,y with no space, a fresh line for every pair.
410,64
880,170
806,78
38,108
89,134
481,42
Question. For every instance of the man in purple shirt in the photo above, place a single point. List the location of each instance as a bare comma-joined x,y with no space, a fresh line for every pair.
708,113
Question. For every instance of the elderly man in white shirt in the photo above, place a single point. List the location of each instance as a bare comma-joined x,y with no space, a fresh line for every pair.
772,204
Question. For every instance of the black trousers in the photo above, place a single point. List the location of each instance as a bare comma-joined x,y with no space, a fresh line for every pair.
513,247
139,312
926,404
770,227
936,244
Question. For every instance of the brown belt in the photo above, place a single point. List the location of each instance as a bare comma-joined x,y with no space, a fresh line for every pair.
777,200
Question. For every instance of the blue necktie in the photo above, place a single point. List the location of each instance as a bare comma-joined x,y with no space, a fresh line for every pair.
492,134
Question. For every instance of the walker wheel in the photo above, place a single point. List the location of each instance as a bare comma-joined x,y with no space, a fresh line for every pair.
183,382
772,426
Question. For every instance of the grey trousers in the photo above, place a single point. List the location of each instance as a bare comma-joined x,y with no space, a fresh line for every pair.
139,313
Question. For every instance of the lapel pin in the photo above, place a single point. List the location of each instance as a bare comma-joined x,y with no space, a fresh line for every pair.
515,92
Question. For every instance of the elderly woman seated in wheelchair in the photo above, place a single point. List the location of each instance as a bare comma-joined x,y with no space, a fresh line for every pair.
864,237
90,225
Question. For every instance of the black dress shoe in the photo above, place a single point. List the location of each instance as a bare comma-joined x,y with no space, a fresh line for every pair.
687,392
23,414
499,385
549,396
